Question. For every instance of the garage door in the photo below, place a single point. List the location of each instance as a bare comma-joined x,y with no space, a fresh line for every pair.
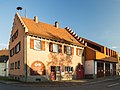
107,69
100,69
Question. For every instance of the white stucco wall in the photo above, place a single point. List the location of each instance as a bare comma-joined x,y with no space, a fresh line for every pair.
89,67
2,67
44,56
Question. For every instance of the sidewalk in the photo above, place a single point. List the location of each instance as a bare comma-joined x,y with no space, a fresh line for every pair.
60,83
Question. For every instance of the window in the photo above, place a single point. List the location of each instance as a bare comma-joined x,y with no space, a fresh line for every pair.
15,65
17,48
18,66
68,69
50,47
58,68
79,51
53,68
71,69
37,44
14,35
67,50
106,51
12,66
11,52
57,48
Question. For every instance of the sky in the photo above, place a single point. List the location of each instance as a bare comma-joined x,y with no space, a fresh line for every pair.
96,20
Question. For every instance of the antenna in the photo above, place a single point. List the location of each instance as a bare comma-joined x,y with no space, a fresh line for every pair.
25,13
19,8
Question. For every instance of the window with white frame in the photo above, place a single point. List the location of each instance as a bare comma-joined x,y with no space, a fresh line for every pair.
55,48
57,68
68,50
37,44
68,69
80,51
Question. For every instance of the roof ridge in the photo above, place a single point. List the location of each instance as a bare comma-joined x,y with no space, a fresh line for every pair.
43,23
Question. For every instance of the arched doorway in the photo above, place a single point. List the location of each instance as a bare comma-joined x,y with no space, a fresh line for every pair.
37,68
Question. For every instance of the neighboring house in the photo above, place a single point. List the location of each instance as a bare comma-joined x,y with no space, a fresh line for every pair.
100,61
118,66
4,51
4,60
40,51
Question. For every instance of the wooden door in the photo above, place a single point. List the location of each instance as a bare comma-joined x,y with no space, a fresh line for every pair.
53,73
79,72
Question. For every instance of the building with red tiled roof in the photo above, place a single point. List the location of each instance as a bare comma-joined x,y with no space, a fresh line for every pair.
40,51
4,60
100,61
4,52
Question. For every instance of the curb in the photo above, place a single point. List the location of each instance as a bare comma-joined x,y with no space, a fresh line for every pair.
60,84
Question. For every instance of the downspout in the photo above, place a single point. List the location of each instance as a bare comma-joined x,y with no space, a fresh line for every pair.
84,53
25,55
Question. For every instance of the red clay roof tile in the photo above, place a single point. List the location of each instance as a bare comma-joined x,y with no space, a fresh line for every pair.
49,31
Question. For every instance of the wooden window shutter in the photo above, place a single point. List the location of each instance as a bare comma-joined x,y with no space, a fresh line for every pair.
59,48
76,51
72,50
50,47
43,45
32,43
65,51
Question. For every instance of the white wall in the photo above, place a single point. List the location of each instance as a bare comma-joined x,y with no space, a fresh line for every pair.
89,67
7,68
2,67
95,67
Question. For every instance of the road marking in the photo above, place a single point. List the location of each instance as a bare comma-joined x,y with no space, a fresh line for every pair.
111,85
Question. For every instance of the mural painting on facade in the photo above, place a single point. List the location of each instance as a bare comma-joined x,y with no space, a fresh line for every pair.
60,61
37,68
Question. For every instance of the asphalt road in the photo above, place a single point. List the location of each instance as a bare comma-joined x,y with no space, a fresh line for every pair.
106,85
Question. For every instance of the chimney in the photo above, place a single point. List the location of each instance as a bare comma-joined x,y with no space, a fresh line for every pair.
36,19
56,24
